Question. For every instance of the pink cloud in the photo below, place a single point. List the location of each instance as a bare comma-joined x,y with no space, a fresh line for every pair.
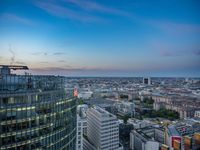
175,28
197,52
168,53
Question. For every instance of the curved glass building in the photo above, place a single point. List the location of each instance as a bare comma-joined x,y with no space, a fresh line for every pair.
36,112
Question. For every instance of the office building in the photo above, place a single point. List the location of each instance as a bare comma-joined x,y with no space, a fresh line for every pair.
125,108
102,129
141,141
36,112
147,80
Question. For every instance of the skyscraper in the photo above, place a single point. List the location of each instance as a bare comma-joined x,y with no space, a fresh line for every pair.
36,112
147,80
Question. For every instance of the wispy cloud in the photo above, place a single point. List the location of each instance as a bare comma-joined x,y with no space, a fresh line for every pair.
61,61
55,70
60,11
47,54
39,53
83,11
16,18
165,53
59,53
165,49
175,28
20,63
44,62
90,5
36,53
197,52
66,69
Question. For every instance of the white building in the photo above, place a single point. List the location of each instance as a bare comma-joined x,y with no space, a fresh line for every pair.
137,124
87,145
85,94
197,114
81,125
140,141
125,108
103,129
81,110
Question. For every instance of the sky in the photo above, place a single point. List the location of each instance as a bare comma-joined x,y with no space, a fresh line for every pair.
102,37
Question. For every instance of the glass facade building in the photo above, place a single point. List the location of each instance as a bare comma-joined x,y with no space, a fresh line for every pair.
36,112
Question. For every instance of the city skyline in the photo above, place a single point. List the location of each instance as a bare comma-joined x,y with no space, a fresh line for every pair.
102,38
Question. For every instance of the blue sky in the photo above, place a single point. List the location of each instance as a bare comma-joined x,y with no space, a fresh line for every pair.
102,38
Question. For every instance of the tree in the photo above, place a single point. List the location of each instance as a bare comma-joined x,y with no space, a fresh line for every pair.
125,118
163,113
81,102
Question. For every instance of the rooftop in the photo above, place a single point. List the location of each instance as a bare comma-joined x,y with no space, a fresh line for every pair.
103,111
14,84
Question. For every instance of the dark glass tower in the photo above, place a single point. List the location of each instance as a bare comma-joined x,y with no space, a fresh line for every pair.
36,112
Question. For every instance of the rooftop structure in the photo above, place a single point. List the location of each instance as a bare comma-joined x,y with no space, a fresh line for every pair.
5,69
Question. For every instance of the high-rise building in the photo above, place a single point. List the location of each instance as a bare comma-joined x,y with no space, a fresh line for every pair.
102,129
147,80
36,112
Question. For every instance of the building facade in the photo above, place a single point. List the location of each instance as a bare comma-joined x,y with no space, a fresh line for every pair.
79,134
141,141
36,112
102,129
197,114
185,106
183,136
81,125
125,108
147,80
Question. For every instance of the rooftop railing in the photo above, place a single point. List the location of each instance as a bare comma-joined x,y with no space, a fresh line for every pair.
30,83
